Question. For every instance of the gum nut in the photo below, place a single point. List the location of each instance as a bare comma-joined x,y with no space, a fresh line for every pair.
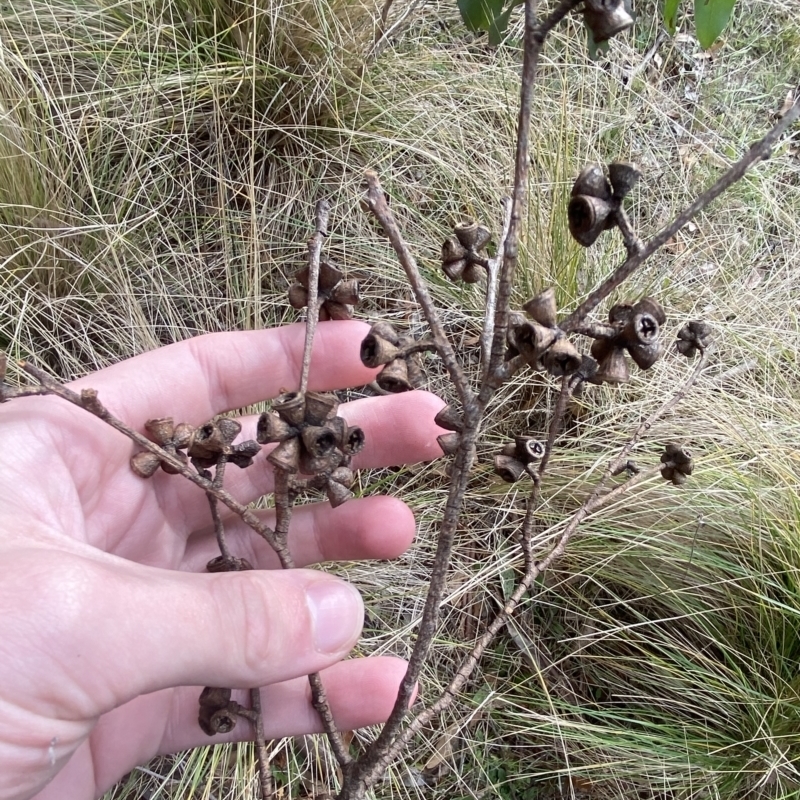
454,270
286,455
453,250
338,310
354,441
587,218
394,377
449,418
449,443
343,475
346,293
606,18
641,328
208,441
528,448
376,351
601,348
182,435
318,441
290,407
329,275
472,273
271,428
667,473
623,176
532,340
145,464
651,306
320,406
170,470
337,493
386,331
472,235
161,430
613,369
645,355
229,428
592,181
542,308
298,296
509,469
562,358
620,313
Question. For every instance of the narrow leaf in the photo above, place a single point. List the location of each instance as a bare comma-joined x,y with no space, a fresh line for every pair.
478,15
710,19
670,14
498,26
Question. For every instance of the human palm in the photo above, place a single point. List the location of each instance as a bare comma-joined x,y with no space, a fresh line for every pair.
109,623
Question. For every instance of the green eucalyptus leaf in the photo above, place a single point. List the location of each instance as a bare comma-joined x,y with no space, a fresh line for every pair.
498,26
670,15
478,15
710,19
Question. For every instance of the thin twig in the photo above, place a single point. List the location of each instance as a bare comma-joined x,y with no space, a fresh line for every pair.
89,401
219,527
319,699
376,201
373,763
598,499
283,513
664,409
556,423
492,276
384,33
757,152
266,783
322,213
535,35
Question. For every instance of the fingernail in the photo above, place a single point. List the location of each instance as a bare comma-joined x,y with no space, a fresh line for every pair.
337,614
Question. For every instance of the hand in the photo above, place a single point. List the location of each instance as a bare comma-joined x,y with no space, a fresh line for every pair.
110,626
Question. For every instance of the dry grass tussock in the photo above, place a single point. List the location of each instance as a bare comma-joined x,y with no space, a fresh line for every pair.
159,160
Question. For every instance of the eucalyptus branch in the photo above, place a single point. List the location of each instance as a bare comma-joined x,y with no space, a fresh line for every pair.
535,36
266,783
219,527
89,401
599,498
757,152
492,277
322,214
376,201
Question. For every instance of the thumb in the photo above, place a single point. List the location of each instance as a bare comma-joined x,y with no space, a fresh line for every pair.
125,630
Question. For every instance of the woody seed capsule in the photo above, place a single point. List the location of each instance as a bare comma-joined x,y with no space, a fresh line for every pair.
145,464
542,308
161,430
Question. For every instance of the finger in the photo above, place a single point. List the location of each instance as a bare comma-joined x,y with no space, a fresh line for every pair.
166,722
371,527
398,429
118,630
193,380
360,692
